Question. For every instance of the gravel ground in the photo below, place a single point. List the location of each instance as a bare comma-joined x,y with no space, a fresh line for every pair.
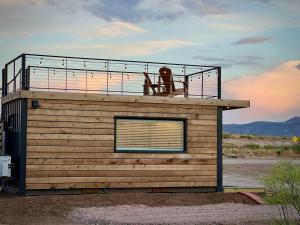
54,209
226,213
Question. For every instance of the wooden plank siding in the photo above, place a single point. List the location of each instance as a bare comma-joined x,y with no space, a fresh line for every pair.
70,144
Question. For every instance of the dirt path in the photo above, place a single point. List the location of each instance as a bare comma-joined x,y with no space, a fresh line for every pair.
247,172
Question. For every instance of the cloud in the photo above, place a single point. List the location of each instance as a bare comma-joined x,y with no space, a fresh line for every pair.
274,95
226,62
31,2
115,29
262,1
14,33
141,10
149,47
252,40
78,47
229,26
129,49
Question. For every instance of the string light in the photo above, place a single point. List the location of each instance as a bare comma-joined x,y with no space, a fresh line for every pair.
63,62
105,65
73,74
92,74
41,61
53,72
125,67
33,70
84,63
145,68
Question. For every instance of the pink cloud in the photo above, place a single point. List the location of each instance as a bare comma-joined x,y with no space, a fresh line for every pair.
274,95
252,40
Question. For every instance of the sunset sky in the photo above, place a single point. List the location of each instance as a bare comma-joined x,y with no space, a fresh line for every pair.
257,42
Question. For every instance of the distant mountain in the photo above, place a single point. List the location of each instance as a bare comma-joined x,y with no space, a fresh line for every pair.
288,128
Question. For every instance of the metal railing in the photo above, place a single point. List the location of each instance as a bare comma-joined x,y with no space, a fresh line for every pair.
103,76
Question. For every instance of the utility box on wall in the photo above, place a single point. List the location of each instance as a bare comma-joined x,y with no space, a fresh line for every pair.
5,163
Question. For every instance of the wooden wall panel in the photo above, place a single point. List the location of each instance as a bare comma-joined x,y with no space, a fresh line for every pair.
70,145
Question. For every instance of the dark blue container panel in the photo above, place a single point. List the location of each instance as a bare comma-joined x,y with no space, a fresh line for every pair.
14,115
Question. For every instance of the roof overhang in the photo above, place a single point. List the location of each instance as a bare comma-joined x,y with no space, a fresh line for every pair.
225,104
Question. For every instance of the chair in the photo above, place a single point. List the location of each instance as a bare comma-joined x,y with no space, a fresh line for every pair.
165,85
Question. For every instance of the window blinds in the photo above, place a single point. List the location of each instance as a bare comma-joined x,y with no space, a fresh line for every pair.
135,134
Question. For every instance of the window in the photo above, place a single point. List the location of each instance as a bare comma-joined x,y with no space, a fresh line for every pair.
140,134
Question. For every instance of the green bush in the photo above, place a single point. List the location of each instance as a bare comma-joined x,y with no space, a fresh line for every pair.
227,135
296,148
269,147
277,148
247,136
284,184
252,146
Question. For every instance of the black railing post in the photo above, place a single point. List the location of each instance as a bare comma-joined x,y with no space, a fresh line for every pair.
23,73
66,84
4,81
86,82
27,72
219,82
186,86
15,85
107,73
48,79
202,85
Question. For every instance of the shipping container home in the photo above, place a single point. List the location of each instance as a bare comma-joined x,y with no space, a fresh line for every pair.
85,123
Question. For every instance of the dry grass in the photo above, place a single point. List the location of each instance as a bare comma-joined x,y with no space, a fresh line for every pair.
235,145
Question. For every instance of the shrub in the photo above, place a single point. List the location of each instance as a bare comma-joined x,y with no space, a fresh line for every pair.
269,147
284,184
252,146
296,148
227,135
246,136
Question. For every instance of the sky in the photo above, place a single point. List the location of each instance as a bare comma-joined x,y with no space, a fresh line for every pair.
256,42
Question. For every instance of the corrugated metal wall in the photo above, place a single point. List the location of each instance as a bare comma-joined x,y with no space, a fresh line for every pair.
14,115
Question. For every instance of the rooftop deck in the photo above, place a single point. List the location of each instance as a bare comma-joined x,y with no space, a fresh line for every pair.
105,76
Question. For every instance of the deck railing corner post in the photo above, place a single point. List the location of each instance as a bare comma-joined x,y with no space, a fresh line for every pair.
186,86
23,73
4,81
219,83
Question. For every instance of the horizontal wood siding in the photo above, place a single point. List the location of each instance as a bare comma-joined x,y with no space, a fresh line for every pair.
70,145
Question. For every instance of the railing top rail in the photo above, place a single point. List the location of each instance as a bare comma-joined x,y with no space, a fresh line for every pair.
19,56
118,60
